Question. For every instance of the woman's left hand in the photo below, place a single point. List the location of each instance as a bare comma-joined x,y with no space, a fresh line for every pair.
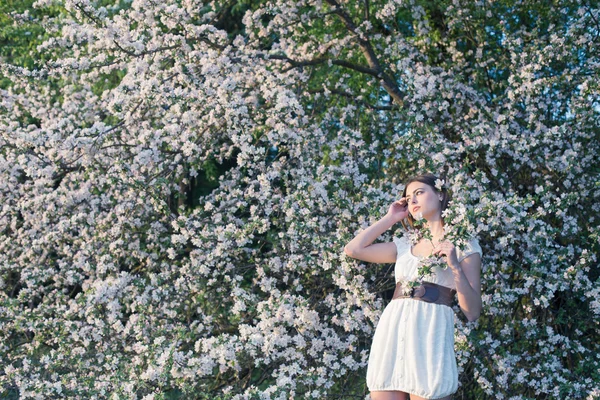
447,249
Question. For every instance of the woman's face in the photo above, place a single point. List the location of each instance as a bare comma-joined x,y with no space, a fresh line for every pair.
422,198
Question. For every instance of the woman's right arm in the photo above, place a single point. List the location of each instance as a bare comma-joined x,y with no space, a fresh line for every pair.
361,248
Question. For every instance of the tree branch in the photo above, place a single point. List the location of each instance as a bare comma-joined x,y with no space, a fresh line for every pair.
387,82
321,60
353,97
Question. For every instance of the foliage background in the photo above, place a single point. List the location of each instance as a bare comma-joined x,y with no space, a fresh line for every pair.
179,178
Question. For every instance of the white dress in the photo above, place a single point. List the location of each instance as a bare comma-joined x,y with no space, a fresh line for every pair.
413,344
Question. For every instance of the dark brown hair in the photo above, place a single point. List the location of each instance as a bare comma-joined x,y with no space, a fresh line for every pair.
428,179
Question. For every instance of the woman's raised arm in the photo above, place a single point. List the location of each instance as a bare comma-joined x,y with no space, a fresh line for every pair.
361,246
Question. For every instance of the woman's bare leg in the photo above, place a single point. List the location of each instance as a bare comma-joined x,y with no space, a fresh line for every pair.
415,397
388,395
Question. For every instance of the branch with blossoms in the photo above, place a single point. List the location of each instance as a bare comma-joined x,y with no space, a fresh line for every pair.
459,228
389,84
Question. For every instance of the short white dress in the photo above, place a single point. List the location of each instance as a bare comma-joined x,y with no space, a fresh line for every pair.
413,344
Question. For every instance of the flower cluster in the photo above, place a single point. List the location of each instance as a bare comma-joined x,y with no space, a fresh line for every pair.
459,228
439,184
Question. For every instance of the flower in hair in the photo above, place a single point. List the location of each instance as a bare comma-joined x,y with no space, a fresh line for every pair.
439,184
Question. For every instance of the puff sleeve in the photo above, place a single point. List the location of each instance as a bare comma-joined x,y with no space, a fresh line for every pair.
402,245
471,248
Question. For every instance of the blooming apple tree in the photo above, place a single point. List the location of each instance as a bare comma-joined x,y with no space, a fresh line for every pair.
179,179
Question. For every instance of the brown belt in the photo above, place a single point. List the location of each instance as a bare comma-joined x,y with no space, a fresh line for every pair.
428,292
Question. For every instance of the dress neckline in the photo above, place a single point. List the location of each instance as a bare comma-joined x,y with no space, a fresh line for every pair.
410,251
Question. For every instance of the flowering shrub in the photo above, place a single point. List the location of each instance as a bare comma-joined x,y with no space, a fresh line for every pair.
179,179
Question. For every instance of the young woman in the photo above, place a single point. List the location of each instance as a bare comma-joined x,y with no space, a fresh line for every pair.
413,347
